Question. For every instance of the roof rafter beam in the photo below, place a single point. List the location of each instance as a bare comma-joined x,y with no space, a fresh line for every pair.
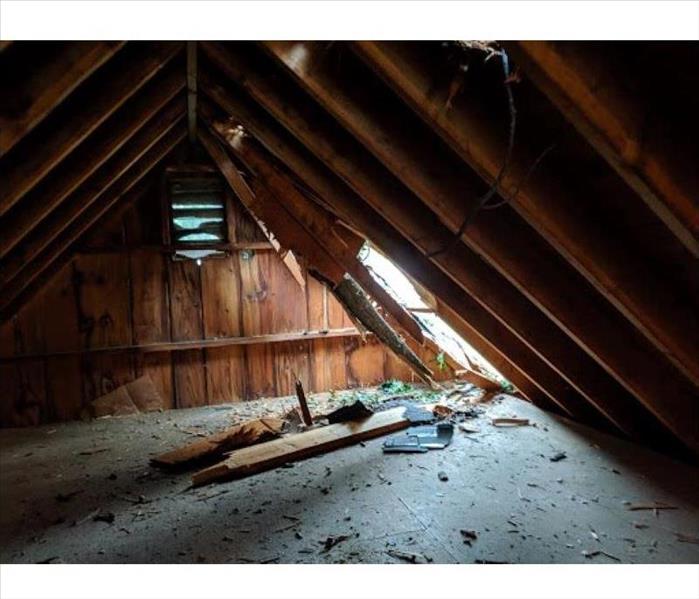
48,84
88,157
320,254
608,117
318,223
554,210
46,275
98,206
508,245
489,336
96,185
100,98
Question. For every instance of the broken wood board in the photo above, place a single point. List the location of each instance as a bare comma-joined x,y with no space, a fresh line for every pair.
479,380
505,422
252,460
137,396
214,446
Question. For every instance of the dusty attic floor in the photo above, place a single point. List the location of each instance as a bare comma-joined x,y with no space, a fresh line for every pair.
501,484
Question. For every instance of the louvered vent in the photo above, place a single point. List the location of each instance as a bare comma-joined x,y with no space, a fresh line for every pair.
197,208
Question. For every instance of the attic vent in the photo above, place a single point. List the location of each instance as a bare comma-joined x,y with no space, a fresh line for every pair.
197,209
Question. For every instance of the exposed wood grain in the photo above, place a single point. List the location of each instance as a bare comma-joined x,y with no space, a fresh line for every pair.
319,224
190,378
225,374
102,301
367,178
269,455
644,383
327,365
215,446
221,297
102,373
185,301
158,367
353,209
260,371
149,294
365,362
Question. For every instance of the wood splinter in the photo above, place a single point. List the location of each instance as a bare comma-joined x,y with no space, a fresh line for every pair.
305,412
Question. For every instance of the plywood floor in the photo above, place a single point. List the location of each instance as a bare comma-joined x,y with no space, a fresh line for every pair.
501,484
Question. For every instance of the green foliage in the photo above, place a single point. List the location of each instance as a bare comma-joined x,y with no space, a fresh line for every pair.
393,386
441,361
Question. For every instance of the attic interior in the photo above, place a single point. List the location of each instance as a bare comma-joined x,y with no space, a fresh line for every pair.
188,316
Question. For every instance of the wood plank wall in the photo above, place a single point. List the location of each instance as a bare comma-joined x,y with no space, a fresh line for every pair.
122,292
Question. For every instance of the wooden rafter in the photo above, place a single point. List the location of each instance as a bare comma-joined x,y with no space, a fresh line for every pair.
48,84
44,278
319,224
489,336
610,118
247,198
623,278
415,221
328,265
88,157
98,207
78,202
505,243
99,98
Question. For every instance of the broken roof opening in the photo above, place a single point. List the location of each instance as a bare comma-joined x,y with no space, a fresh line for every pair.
400,287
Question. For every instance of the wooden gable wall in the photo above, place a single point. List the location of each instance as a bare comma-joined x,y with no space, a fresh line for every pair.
123,290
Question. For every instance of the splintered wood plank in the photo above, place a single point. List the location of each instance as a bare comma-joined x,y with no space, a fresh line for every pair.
185,300
291,362
103,299
258,458
190,378
64,380
259,379
149,309
244,434
22,393
225,374
158,366
221,297
328,370
365,362
43,86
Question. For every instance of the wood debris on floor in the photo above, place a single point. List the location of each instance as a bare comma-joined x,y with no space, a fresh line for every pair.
521,507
